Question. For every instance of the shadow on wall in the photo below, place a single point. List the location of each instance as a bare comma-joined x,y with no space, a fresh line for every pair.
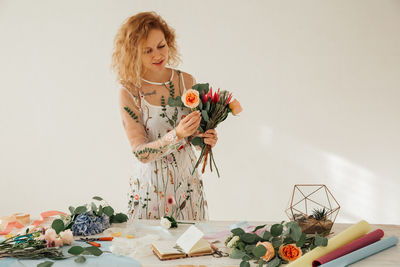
361,193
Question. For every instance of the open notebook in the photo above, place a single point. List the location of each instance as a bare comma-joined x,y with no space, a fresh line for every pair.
189,244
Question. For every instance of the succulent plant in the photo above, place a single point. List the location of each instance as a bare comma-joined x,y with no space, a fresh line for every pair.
320,214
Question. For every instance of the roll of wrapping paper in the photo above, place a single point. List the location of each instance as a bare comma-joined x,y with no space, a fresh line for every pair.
352,233
363,252
361,242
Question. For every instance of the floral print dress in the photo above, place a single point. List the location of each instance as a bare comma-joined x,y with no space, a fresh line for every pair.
163,183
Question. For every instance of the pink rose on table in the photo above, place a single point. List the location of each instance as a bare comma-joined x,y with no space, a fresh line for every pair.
191,98
235,107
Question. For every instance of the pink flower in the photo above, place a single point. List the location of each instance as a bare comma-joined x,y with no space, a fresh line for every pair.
67,237
58,242
170,200
50,235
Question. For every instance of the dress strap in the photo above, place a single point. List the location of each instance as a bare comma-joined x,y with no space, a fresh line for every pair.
183,81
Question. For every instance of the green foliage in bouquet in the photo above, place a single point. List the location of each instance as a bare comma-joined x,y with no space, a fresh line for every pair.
248,247
104,208
214,109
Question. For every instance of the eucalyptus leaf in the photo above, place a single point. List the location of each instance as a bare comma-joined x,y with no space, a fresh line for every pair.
207,106
94,207
302,240
100,211
274,263
171,102
80,259
197,141
248,238
321,241
237,254
276,242
94,250
80,210
71,209
244,264
237,231
266,235
45,264
108,211
97,198
75,250
258,227
276,230
58,225
204,114
246,258
119,218
259,251
295,232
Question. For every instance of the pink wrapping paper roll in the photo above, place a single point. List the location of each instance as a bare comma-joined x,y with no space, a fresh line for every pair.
350,247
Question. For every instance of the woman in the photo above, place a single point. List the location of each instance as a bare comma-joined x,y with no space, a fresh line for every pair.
158,134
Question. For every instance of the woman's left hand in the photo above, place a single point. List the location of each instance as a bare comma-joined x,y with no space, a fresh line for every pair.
210,137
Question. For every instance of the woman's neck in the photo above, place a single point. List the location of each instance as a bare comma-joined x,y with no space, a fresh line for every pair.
158,76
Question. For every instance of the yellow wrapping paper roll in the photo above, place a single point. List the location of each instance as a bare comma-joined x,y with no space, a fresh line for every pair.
352,233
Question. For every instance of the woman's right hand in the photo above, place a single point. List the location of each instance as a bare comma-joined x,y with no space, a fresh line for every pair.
188,125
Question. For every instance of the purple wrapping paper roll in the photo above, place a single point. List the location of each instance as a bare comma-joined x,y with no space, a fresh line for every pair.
350,247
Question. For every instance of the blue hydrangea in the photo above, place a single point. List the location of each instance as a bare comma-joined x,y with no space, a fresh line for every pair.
90,224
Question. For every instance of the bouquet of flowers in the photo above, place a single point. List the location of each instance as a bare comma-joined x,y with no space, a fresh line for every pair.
214,108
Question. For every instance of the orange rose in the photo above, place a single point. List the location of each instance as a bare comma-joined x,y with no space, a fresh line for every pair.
191,98
235,107
290,252
270,254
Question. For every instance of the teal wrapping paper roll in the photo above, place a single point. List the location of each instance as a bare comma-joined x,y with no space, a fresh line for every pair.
363,252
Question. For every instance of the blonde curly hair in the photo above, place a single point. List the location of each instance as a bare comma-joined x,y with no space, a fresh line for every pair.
126,58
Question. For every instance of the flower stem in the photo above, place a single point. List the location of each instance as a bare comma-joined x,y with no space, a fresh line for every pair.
205,159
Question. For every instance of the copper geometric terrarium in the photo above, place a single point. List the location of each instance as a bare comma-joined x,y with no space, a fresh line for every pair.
313,207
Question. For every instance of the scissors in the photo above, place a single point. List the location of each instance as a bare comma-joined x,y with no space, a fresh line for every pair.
92,242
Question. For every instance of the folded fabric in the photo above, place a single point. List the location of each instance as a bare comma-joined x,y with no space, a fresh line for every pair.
363,253
352,233
352,246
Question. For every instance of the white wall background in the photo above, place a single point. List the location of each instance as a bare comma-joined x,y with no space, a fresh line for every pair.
319,82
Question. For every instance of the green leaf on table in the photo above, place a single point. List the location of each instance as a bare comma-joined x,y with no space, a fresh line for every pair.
266,235
94,250
58,225
258,227
97,198
118,218
204,114
249,238
259,251
237,231
45,264
237,254
302,240
108,211
249,248
244,264
246,258
295,232
274,262
100,211
80,210
276,242
94,207
320,241
75,250
80,259
71,209
276,230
